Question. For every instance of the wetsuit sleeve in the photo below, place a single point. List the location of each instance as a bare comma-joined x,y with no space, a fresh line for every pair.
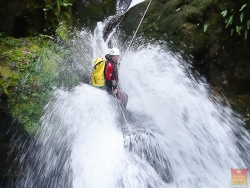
110,84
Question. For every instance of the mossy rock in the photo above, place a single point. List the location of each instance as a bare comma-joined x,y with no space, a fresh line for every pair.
241,104
62,31
8,75
29,68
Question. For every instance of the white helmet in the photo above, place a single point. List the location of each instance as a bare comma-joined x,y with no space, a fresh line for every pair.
114,51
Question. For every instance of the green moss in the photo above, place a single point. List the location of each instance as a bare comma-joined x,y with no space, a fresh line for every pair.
192,14
62,31
29,69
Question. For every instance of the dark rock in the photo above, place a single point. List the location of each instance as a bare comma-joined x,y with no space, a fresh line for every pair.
87,13
21,18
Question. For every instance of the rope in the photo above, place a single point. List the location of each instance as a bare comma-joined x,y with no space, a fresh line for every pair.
123,114
129,128
138,27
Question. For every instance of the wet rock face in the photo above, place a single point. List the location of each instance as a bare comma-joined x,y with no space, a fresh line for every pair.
124,4
111,25
88,12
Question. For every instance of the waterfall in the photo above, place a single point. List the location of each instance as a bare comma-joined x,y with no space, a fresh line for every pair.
183,134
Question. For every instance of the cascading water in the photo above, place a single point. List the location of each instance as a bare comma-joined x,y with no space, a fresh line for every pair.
135,2
182,135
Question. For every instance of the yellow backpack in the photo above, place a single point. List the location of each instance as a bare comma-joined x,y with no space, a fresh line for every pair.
97,76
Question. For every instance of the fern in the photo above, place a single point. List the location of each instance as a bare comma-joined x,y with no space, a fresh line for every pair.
224,13
241,17
205,27
231,14
66,4
243,6
230,21
232,31
248,24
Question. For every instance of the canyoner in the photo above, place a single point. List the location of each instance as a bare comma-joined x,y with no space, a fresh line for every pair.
105,71
105,76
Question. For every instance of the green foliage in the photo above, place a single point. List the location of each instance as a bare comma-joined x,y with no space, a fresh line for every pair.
248,24
64,3
205,27
241,17
241,26
224,13
35,72
62,31
238,29
232,31
229,21
50,6
243,6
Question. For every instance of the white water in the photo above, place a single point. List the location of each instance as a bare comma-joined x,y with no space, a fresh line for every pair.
187,136
135,2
